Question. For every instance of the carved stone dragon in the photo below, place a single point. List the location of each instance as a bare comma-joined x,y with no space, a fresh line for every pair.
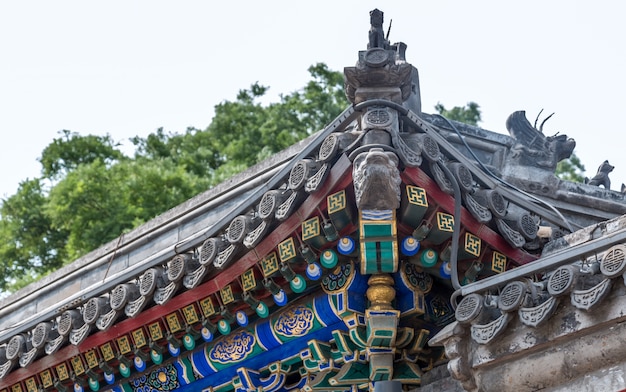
532,147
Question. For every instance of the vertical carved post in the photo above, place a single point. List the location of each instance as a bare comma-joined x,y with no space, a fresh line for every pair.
380,292
381,327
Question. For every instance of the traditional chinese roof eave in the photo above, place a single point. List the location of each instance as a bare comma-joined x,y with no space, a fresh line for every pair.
339,177
582,204
416,176
336,176
569,253
359,209
339,174
576,307
241,195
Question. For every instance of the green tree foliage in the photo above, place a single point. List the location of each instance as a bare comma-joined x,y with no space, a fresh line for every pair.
90,192
95,204
194,150
71,150
30,244
246,132
468,114
571,169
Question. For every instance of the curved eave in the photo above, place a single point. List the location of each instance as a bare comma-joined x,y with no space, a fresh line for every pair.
488,235
339,178
313,205
570,301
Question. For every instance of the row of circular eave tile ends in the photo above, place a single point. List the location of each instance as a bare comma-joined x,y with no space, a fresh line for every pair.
587,283
189,269
160,283
328,259
70,328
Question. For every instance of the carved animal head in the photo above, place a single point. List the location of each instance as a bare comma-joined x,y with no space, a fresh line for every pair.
605,167
563,146
377,180
533,148
376,18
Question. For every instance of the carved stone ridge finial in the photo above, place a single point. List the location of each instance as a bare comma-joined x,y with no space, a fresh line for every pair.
382,71
532,147
376,33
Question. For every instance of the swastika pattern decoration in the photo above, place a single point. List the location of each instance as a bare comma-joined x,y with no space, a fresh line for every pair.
445,222
269,264
336,202
207,307
498,262
287,250
248,280
191,316
416,195
310,228
227,295
472,244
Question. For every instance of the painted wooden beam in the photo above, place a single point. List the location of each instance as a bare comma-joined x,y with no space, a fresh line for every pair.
418,177
339,178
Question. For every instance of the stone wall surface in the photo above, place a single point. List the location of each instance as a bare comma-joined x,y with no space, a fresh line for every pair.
607,379
438,379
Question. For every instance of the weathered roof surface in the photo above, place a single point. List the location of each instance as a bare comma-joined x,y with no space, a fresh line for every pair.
134,252
582,204
484,204
132,258
555,323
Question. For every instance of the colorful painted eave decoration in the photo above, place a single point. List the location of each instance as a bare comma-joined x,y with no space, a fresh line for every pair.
416,177
189,308
379,241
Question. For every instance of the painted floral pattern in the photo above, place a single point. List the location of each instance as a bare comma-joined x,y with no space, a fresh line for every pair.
162,379
296,321
234,348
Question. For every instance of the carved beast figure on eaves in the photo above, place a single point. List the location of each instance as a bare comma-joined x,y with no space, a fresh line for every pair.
376,33
532,147
376,180
602,176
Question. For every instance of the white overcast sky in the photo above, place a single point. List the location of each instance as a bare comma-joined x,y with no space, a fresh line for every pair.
126,68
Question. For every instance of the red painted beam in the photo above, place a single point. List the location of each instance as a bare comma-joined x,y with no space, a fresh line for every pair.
45,362
419,178
339,178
